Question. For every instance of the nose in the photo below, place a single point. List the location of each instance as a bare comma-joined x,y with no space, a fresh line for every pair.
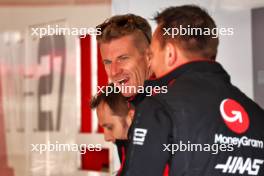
115,69
108,137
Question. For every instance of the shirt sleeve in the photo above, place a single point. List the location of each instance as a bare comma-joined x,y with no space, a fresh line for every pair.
149,133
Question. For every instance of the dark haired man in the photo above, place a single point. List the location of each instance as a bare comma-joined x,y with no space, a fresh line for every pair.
201,107
114,115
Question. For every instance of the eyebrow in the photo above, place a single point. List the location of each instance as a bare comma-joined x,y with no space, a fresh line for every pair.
118,57
123,55
107,59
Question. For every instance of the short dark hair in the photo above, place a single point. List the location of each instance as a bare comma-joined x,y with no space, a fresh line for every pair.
116,101
122,25
188,16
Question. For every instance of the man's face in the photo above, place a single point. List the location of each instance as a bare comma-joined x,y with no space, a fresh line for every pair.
115,127
125,65
157,61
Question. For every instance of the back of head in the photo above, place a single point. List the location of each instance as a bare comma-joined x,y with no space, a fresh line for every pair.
190,28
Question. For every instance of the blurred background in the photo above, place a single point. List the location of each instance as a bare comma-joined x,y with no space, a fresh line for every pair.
46,83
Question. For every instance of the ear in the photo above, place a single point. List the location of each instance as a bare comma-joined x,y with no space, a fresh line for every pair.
130,116
170,54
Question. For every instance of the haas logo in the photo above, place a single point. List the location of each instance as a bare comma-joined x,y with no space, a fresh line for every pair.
240,165
234,115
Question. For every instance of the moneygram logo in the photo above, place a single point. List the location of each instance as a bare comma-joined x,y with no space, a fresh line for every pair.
234,115
243,141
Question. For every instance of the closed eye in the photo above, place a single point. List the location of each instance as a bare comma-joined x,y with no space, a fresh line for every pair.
122,58
108,127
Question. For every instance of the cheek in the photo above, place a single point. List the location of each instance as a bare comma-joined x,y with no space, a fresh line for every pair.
131,64
154,61
129,68
140,66
118,131
107,70
156,64
160,59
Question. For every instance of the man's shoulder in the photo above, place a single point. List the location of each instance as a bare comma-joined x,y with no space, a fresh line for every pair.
151,102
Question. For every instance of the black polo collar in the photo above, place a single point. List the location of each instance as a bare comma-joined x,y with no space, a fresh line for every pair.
166,79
